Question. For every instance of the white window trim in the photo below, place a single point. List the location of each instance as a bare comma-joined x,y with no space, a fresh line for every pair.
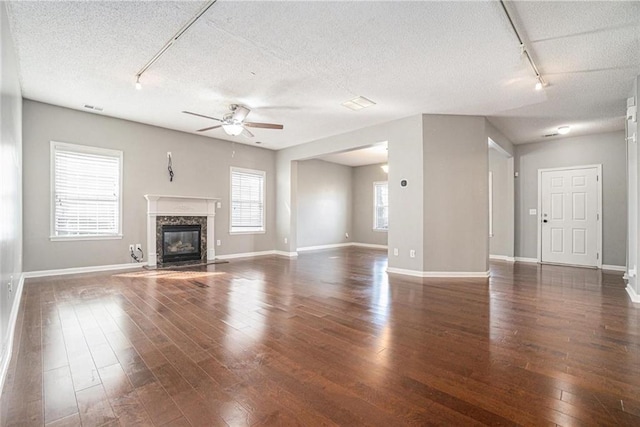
375,212
52,189
260,230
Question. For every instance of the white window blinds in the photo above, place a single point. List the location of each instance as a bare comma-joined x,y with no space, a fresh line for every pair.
86,191
247,200
381,206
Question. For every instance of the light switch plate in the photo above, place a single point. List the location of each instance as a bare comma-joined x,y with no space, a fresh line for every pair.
533,212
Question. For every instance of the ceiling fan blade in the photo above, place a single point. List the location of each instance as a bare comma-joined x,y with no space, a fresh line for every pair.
246,132
240,113
202,115
263,125
209,128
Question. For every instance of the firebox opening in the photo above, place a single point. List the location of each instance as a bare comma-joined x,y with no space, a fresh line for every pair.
180,243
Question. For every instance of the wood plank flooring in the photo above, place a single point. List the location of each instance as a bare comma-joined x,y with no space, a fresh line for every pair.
327,339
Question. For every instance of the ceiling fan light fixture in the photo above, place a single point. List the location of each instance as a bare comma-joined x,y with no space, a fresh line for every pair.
233,129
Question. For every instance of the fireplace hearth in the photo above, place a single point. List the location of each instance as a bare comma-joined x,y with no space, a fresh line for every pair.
181,243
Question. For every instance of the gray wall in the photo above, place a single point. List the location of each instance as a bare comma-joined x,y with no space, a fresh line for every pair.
456,198
608,149
404,137
499,138
324,203
362,224
501,243
10,180
201,167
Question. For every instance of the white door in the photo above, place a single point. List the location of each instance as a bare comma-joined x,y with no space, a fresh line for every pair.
569,216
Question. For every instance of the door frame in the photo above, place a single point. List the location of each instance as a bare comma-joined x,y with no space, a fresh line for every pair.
599,221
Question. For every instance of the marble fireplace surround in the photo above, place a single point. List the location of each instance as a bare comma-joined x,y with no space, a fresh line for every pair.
180,208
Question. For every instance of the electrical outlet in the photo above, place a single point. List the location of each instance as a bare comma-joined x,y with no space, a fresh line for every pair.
395,251
346,235
131,248
168,154
412,253
138,247
286,240
219,205
218,242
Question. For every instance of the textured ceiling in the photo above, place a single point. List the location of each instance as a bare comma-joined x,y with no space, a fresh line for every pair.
295,62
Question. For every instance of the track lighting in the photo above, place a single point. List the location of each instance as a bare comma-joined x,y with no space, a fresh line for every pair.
171,41
523,48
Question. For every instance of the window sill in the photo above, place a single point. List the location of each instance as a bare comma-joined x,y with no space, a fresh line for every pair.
74,238
381,230
256,231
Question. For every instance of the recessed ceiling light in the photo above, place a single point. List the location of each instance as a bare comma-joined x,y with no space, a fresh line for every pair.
358,103
563,130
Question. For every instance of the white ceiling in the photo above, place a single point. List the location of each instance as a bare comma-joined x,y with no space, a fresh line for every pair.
295,62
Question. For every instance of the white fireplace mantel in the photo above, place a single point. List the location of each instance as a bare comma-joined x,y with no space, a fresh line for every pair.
161,205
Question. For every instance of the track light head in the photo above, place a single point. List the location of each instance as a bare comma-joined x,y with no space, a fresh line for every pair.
138,84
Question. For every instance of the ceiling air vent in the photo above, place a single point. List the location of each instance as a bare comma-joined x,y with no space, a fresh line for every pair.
549,135
92,107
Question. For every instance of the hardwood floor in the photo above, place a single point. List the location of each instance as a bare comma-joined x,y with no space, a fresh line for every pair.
328,339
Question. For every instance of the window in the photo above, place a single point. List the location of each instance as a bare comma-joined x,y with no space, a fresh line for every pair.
86,192
247,201
381,206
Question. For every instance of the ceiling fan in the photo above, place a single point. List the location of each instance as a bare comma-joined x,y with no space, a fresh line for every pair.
233,123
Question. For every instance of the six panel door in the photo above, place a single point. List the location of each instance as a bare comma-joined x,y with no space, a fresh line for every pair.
569,215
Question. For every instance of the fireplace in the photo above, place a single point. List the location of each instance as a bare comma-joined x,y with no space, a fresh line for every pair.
181,243
165,212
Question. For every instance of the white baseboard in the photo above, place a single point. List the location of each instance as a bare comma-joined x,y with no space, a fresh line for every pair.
614,267
525,259
369,245
320,247
503,258
78,270
341,245
286,254
11,329
246,255
632,294
441,274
